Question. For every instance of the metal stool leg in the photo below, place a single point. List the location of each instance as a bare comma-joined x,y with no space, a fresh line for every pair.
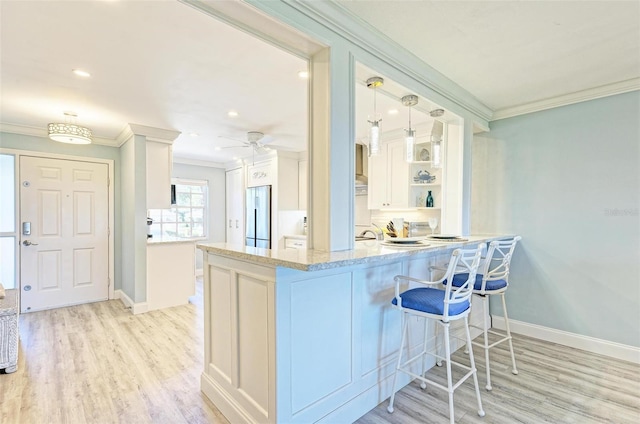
485,329
506,322
473,368
423,385
405,323
447,350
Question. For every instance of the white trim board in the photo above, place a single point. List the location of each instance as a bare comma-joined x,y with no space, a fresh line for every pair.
578,341
568,99
136,308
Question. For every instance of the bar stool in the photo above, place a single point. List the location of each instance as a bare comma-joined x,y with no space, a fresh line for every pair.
443,306
493,279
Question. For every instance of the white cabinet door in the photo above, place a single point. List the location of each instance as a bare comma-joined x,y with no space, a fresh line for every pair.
388,178
378,181
235,206
397,176
159,164
260,174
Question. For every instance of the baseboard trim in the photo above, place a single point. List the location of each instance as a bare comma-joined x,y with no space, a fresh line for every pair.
578,341
136,308
231,410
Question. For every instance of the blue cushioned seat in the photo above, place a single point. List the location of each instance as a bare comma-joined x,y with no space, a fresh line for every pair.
429,300
459,280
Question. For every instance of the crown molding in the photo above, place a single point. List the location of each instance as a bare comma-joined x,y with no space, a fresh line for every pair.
198,162
43,133
567,99
159,135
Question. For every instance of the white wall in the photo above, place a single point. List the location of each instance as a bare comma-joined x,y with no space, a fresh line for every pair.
567,180
216,179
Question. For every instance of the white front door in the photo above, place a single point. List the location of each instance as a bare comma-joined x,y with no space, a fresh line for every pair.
64,204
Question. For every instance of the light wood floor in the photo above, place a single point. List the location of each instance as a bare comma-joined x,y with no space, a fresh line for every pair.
97,363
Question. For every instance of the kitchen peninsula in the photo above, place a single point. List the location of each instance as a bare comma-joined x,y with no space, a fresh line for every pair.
305,336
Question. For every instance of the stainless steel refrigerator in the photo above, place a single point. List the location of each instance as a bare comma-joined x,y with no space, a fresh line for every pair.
259,217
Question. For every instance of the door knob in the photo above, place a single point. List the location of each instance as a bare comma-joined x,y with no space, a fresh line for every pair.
28,243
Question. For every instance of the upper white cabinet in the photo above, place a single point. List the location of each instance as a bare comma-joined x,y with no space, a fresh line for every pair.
261,173
235,206
388,177
159,166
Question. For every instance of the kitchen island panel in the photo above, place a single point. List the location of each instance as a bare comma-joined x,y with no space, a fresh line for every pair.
331,334
239,339
320,338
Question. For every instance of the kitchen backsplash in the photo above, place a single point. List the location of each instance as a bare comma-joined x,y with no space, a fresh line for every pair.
290,222
381,217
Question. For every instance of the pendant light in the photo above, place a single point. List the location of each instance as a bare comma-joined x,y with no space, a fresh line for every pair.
69,132
436,138
410,134
374,131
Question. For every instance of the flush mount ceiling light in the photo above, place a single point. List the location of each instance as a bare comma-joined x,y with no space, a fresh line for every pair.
303,74
375,119
232,113
69,132
410,100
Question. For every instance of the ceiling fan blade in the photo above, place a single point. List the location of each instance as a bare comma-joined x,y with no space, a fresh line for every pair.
265,140
234,139
234,147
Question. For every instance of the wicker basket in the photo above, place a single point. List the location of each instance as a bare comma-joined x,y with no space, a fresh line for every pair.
9,331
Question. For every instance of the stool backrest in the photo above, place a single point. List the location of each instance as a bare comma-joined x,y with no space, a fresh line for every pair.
469,260
498,262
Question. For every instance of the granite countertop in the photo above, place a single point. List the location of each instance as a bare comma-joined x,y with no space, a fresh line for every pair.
315,260
168,239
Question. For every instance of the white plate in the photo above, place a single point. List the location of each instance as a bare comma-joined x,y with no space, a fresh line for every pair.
444,236
404,240
400,245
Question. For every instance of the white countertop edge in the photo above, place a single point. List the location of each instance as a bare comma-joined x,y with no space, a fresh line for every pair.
170,240
295,236
316,260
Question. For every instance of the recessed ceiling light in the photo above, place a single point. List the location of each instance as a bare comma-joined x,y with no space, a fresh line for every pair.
81,73
232,113
217,148
393,111
235,158
303,74
193,134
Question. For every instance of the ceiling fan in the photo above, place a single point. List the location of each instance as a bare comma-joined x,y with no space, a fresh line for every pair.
255,139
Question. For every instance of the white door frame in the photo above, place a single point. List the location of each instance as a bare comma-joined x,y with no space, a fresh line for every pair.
38,154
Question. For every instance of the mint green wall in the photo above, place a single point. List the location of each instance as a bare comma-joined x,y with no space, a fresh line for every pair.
567,180
134,212
44,145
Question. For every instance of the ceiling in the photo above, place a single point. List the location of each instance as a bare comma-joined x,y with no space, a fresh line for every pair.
511,53
167,65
